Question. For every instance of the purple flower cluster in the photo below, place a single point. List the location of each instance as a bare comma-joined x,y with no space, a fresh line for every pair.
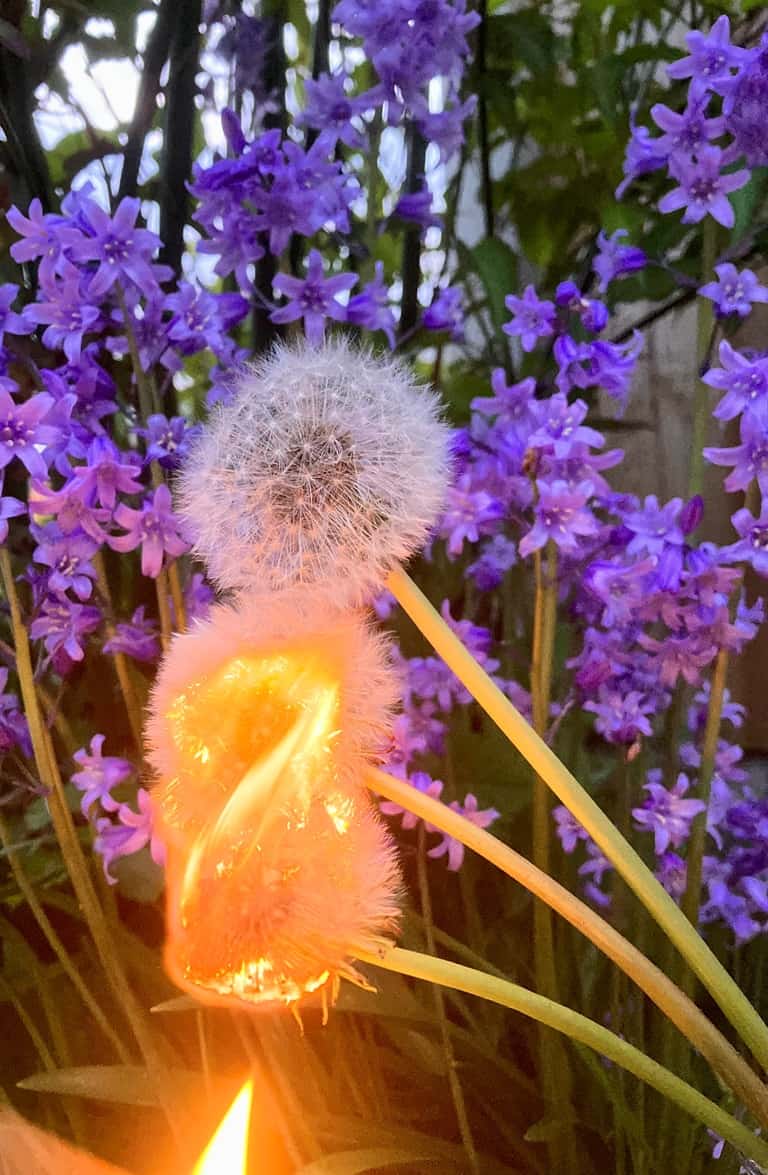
704,153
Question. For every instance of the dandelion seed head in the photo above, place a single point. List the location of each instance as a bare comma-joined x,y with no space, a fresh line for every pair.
261,724
326,467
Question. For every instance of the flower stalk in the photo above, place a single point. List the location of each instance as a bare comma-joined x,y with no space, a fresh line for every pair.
675,1004
578,1028
566,787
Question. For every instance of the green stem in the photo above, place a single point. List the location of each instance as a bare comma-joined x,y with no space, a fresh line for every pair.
692,1023
705,325
132,704
71,849
692,896
457,1093
566,787
554,1068
57,946
578,1028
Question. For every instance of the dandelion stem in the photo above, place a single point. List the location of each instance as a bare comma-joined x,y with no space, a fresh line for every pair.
681,1010
566,787
578,1028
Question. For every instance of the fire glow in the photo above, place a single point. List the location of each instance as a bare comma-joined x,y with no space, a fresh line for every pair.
227,1152
278,869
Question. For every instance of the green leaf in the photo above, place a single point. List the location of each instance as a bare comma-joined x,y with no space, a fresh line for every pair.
524,38
128,1085
496,266
746,201
371,1159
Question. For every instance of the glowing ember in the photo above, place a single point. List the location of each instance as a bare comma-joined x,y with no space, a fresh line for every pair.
277,866
227,1152
269,852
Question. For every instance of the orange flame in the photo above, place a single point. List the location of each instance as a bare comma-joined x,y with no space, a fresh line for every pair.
227,1152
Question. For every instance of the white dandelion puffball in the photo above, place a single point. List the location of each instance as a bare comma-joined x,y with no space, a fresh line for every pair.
328,467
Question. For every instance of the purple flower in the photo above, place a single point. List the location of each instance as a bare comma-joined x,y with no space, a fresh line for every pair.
69,558
711,56
533,318
744,381
654,527
130,833
135,638
734,291
750,458
595,867
416,208
574,362
561,514
108,472
688,132
123,251
167,440
667,814
198,597
469,512
154,527
331,109
423,783
454,849
444,127
744,105
63,625
9,508
312,298
672,872
569,831
446,313
612,366
22,431
752,546
66,311
622,717
201,319
14,731
370,308
614,260
514,405
11,323
702,189
495,560
561,427
643,155
98,774
592,312
41,238
69,507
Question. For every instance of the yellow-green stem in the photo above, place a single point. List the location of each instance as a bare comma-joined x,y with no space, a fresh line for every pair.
695,856
177,596
692,1023
554,1069
71,849
457,1094
566,787
577,1027
132,705
705,322
58,948
164,609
